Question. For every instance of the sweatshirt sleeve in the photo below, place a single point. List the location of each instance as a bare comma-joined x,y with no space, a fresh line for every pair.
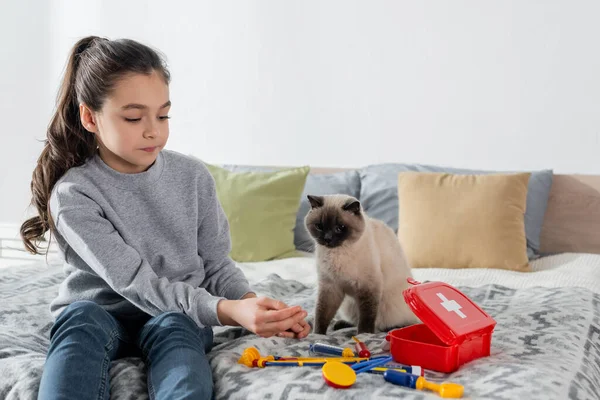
101,247
223,278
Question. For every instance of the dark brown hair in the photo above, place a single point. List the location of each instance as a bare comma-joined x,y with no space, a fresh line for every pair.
95,65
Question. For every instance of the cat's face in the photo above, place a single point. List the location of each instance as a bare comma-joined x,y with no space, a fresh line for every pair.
334,220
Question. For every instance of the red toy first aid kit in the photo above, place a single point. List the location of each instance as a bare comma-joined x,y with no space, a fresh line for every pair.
454,329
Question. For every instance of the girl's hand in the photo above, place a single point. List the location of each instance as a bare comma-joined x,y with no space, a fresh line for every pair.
264,316
299,331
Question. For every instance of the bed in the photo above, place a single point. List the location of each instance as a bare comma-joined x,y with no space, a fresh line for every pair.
546,344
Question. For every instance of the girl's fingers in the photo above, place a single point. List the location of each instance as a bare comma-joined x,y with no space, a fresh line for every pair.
271,304
300,334
279,319
284,324
286,334
297,328
305,332
279,315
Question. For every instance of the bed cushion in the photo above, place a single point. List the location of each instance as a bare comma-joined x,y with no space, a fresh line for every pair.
261,208
345,182
379,195
463,221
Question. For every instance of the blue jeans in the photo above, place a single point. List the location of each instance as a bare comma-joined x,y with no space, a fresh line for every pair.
85,339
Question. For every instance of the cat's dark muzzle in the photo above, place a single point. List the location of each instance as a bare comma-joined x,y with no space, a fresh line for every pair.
329,244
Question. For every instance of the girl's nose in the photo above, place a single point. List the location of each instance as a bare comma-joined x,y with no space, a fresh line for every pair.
151,131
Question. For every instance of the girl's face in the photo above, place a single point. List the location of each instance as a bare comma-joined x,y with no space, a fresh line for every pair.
132,126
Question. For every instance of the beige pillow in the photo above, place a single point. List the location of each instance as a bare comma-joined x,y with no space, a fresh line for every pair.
463,221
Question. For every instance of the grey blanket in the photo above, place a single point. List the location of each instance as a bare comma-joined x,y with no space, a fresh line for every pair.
546,345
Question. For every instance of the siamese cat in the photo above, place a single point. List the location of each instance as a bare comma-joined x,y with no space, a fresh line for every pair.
361,267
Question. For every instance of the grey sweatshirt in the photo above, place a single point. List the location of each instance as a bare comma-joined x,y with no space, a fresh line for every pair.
155,241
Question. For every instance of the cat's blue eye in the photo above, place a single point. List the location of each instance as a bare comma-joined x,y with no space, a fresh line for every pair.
340,228
319,226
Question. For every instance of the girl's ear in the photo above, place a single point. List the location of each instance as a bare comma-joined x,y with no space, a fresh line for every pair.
88,120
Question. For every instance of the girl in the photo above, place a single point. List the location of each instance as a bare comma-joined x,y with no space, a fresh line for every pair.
144,239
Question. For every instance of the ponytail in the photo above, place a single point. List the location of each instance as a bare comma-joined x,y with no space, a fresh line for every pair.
94,67
67,145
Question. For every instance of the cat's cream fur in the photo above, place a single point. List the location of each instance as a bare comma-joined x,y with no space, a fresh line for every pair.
363,274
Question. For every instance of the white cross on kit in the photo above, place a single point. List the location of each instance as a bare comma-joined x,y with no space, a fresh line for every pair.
451,305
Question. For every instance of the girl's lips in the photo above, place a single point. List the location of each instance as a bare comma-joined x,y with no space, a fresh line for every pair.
149,149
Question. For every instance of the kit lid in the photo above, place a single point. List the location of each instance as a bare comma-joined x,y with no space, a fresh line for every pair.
450,315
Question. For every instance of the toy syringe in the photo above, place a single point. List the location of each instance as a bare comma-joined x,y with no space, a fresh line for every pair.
321,348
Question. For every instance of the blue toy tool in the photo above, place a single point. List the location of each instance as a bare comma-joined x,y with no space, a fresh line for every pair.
369,365
381,370
411,369
446,389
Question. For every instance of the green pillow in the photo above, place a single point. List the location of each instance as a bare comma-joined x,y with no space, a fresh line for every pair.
261,208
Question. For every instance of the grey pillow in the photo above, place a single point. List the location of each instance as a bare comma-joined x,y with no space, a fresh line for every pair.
345,182
379,196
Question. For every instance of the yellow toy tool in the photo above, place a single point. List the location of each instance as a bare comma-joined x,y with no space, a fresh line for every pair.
252,358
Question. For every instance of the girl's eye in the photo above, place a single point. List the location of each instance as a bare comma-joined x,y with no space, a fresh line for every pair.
340,228
161,118
319,226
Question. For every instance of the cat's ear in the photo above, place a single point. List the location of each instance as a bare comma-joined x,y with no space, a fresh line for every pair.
315,201
352,206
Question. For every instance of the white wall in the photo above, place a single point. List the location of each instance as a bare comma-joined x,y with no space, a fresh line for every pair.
25,100
483,84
